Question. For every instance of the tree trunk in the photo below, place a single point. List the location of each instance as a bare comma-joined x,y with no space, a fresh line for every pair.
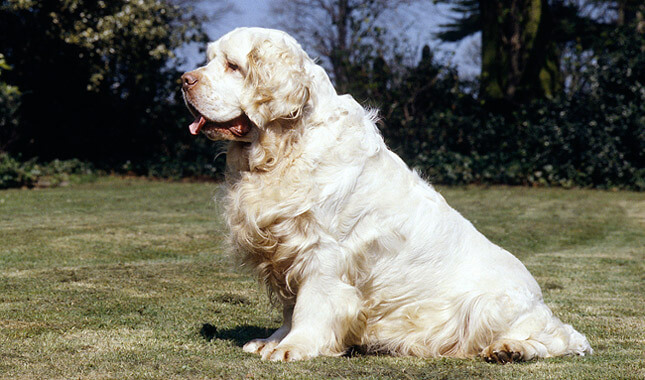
340,55
520,59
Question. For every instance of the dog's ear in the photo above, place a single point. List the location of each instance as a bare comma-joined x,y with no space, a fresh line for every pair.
277,83
210,51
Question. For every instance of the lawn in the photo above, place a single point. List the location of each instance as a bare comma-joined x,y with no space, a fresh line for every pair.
126,278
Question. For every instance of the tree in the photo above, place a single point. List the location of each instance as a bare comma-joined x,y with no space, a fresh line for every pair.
346,34
523,41
98,78
9,104
520,60
466,22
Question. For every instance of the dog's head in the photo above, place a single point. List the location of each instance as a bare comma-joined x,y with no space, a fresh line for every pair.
253,78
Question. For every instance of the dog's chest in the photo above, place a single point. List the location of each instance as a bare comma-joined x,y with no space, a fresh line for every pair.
270,222
273,233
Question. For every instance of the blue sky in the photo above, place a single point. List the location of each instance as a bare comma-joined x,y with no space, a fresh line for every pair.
421,19
245,13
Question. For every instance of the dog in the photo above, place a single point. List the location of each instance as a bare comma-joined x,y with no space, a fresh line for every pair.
356,247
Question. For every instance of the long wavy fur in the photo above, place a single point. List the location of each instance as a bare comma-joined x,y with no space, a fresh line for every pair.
357,247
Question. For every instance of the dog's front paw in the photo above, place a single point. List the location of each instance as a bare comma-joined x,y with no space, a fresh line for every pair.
287,353
260,346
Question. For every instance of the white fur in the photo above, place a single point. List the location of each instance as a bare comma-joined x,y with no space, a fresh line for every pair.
357,248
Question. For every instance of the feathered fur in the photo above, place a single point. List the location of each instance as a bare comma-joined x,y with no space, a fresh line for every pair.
357,248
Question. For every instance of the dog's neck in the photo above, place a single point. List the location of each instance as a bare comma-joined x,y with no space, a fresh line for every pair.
237,157
270,152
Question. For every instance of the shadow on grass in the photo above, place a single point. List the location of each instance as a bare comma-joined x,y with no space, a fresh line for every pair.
238,335
361,363
242,334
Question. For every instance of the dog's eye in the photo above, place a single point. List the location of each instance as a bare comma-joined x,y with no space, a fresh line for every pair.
231,66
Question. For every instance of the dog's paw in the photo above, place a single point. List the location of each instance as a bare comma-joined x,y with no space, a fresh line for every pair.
502,352
260,346
287,353
254,346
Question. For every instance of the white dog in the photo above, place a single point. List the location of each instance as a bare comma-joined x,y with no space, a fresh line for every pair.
355,246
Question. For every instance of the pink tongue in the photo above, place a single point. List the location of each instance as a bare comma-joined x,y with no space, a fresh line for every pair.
197,125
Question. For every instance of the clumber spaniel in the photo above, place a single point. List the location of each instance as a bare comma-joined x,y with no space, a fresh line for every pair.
354,245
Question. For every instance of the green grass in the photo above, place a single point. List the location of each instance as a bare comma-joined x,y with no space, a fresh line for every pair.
126,278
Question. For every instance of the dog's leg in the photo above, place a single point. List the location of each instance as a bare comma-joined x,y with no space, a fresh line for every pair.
326,309
536,334
264,346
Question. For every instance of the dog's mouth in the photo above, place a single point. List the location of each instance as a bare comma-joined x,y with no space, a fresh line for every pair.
234,129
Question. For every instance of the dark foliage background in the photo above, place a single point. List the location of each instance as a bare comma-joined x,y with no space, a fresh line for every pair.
95,83
593,135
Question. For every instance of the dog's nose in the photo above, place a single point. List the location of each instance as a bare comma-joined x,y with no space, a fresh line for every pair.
188,80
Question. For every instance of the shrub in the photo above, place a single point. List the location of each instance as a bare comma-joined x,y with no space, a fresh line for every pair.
591,137
14,173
